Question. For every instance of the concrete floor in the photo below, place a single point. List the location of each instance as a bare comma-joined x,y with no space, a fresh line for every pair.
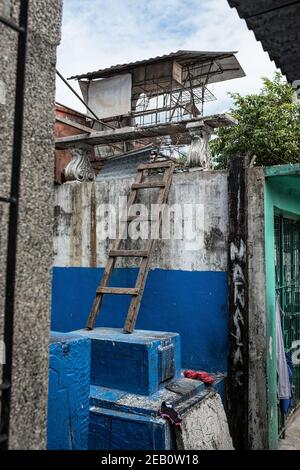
292,439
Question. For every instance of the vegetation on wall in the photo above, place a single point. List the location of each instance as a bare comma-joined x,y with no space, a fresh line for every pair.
268,126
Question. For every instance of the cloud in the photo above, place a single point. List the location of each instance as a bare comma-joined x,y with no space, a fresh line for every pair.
100,33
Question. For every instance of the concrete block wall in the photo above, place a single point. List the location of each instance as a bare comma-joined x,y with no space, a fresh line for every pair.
34,252
186,290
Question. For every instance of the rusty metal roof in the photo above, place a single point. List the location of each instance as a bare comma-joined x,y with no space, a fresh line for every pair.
276,24
227,61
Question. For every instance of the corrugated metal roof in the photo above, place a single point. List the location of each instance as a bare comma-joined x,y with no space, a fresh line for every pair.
182,57
125,165
276,24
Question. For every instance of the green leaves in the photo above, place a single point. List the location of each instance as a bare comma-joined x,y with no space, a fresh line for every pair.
269,126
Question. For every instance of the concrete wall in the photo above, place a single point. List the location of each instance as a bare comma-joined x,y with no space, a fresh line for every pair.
186,291
269,190
257,393
34,257
205,426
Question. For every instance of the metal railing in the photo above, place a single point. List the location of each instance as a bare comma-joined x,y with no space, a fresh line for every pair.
13,201
287,269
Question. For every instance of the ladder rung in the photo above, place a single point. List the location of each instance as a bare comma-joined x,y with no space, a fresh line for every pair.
150,166
137,291
118,290
149,184
128,253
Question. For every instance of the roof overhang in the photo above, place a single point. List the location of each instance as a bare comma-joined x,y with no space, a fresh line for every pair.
276,24
215,66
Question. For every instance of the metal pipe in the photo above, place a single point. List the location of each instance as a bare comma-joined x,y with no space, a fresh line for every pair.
12,230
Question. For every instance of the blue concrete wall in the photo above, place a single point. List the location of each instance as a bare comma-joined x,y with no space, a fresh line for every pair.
191,303
69,389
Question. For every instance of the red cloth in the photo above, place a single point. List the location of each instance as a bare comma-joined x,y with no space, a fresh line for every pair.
198,375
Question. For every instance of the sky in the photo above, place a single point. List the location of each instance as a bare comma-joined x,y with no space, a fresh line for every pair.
100,33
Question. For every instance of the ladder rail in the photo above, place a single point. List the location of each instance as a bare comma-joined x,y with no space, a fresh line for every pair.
145,265
111,262
146,255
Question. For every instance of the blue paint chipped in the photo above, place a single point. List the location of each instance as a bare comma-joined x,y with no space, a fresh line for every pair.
122,421
69,385
130,362
114,430
101,397
96,417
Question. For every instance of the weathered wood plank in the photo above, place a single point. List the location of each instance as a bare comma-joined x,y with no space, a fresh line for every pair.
118,290
152,166
148,185
129,253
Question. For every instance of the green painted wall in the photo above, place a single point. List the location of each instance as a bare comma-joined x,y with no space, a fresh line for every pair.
281,193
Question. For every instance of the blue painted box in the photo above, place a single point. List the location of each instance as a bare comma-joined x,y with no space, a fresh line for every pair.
124,421
138,363
69,390
125,431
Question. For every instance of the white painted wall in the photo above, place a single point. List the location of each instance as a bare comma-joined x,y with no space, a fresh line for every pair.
77,212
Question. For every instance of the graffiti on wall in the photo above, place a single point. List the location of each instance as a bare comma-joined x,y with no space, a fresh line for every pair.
238,259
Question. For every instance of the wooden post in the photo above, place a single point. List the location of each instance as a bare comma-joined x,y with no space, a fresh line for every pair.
238,377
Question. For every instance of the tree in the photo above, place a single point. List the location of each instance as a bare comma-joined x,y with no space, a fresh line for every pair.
268,126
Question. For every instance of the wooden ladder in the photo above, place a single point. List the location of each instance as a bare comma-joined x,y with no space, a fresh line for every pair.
136,292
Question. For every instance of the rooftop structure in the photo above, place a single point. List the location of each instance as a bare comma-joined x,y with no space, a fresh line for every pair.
166,88
158,101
